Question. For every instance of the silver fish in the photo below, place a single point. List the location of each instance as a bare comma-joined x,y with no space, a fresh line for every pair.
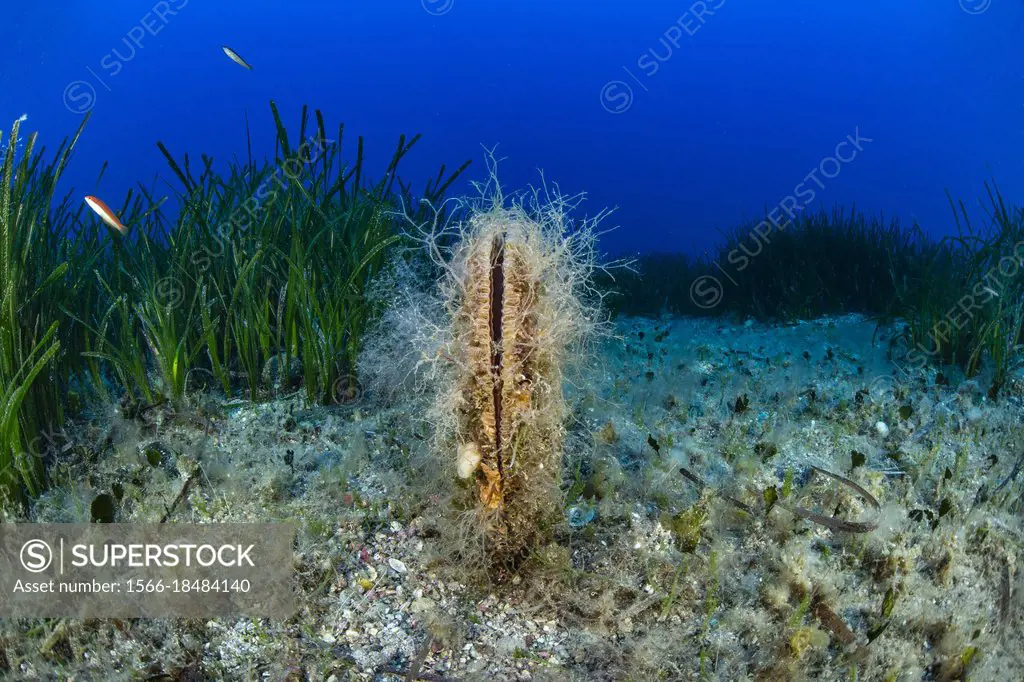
235,57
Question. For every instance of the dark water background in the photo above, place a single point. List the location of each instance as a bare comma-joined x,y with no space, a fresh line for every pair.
688,116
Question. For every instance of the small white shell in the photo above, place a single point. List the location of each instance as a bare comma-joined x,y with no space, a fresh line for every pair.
469,459
397,566
882,428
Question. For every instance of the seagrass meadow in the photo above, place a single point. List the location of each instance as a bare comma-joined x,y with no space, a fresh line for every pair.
507,457
957,300
255,284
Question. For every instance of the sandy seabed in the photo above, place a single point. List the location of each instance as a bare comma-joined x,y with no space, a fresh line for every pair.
684,553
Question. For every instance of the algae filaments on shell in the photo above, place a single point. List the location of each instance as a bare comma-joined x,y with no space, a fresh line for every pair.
510,385
515,308
501,325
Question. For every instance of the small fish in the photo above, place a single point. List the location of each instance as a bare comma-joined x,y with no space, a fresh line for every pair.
108,216
235,57
653,443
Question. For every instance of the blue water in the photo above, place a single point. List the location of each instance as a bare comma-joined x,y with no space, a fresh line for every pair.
689,117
